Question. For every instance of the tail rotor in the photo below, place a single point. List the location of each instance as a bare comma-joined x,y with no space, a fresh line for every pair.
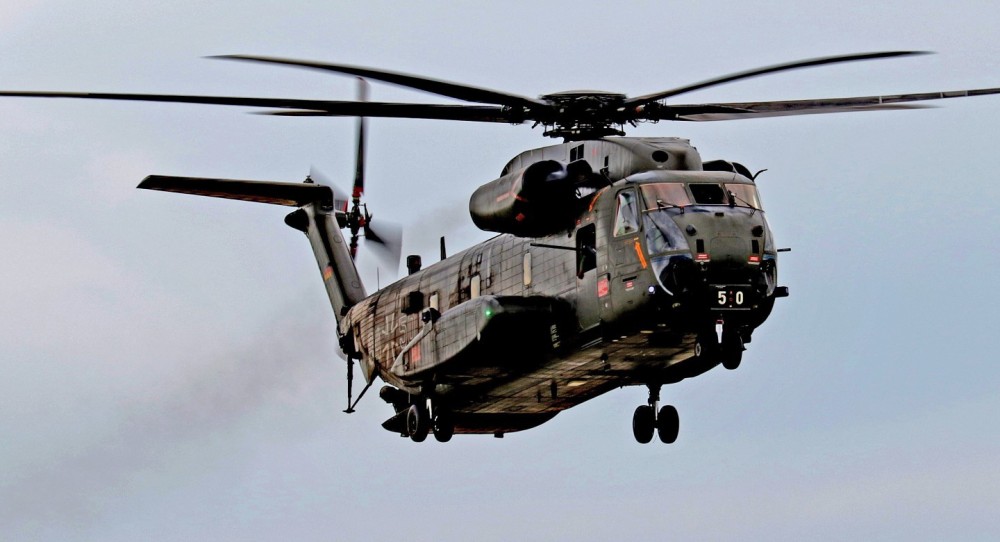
386,238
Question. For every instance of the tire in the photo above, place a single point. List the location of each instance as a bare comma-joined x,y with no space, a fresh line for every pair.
643,424
668,424
732,352
731,360
417,424
442,426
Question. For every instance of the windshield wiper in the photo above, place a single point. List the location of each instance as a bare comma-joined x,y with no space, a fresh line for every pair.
660,205
747,203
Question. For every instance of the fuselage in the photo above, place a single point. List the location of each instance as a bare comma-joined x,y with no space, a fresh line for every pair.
516,329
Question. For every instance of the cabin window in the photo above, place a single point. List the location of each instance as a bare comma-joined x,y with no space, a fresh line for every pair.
576,153
413,302
586,251
527,269
708,193
474,286
665,195
627,217
745,195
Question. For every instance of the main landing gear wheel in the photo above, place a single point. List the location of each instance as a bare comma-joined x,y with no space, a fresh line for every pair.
646,420
417,424
442,425
668,424
643,423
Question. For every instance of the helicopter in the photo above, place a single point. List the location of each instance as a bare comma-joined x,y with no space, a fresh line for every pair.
618,261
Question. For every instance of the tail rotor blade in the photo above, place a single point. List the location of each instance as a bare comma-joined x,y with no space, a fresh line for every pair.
359,165
386,241
341,200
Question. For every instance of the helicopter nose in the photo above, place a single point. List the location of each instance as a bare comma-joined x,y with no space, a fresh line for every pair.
729,249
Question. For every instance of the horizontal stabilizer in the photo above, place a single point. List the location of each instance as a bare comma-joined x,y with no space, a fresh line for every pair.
273,192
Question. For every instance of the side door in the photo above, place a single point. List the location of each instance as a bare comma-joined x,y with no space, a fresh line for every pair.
627,256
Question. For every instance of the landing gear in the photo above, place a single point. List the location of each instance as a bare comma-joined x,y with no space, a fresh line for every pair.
668,424
731,350
728,351
424,417
417,422
646,420
442,424
643,423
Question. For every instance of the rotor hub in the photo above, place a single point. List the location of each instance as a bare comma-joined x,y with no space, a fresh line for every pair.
584,114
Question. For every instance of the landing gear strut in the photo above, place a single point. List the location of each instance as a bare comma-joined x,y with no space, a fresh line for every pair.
646,420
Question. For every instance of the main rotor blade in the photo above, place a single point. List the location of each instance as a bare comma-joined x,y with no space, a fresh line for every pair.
766,70
434,86
176,98
472,113
326,108
745,110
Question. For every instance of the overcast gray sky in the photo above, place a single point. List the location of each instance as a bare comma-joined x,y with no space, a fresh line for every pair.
168,362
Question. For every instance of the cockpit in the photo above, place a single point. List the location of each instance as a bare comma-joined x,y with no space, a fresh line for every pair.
661,204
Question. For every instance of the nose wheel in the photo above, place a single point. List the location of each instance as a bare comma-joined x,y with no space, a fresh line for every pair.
647,420
727,349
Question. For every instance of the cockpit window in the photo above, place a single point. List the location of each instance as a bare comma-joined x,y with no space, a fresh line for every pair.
745,195
708,193
660,195
627,217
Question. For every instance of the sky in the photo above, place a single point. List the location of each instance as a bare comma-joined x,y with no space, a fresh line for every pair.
169,363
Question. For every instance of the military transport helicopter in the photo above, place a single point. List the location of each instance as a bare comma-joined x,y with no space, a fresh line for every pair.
620,261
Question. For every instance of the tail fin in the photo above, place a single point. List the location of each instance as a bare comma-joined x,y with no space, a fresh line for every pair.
316,217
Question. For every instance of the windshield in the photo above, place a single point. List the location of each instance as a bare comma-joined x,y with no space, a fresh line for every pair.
746,195
708,193
743,194
662,233
660,195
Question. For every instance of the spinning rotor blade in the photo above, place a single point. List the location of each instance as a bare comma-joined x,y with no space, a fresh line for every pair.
359,160
746,110
441,88
341,200
385,240
766,70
